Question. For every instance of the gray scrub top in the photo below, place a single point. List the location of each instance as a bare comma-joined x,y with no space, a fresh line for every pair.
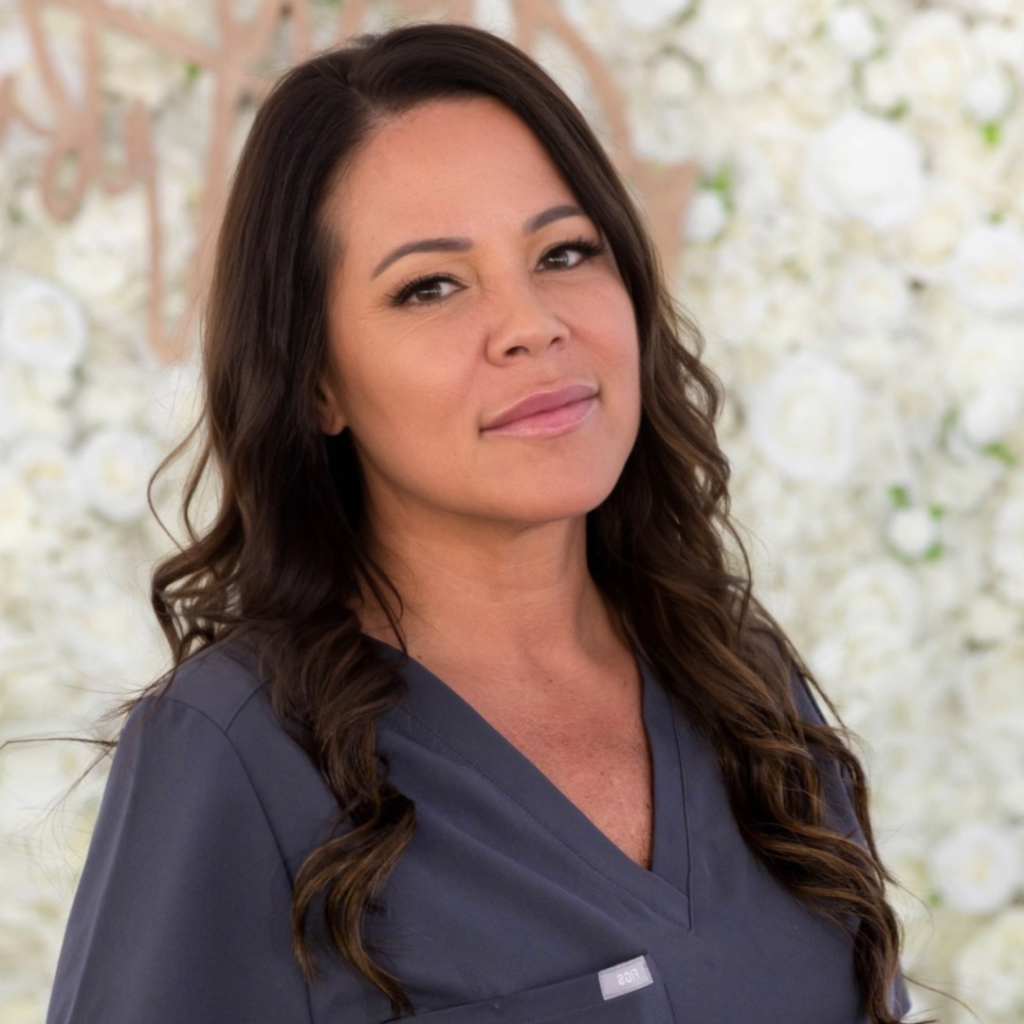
508,905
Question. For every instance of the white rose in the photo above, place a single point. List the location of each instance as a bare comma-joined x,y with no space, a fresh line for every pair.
999,42
872,295
988,354
990,414
929,240
881,84
740,66
991,621
48,470
706,218
673,80
803,419
115,466
137,71
102,255
866,168
16,512
987,270
1006,552
177,397
977,867
40,324
853,30
932,58
989,94
990,688
913,532
881,597
907,859
495,16
987,968
651,14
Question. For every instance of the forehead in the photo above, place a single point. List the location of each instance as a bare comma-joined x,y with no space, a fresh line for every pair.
447,166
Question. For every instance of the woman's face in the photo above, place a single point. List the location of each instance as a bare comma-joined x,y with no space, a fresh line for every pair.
468,280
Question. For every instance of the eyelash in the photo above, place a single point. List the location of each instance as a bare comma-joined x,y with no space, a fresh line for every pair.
586,246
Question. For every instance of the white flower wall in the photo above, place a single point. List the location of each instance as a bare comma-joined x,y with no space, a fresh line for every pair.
854,254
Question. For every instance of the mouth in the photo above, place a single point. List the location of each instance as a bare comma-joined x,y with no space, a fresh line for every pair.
549,422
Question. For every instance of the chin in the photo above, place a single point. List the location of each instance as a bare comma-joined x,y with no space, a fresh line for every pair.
537,502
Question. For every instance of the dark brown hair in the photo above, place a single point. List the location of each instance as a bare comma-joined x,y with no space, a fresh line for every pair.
284,561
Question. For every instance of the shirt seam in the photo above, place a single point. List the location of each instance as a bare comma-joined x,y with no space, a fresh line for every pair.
252,787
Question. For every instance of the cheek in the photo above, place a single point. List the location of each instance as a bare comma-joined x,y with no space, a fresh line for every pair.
410,404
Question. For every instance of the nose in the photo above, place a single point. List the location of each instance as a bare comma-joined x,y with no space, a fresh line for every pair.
521,321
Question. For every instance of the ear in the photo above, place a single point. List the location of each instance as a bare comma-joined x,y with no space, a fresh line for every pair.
332,418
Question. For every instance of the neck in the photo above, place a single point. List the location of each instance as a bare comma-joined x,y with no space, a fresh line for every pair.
519,597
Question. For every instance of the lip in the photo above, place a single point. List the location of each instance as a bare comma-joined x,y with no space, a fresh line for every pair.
545,402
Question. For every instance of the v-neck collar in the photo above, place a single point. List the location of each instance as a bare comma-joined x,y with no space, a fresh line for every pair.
665,887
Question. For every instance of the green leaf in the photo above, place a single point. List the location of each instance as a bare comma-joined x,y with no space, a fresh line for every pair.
991,132
936,511
192,70
999,451
934,553
899,496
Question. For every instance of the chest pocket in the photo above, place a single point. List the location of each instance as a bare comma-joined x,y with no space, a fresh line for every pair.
630,992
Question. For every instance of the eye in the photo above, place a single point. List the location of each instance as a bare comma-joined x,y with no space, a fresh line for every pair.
424,291
567,255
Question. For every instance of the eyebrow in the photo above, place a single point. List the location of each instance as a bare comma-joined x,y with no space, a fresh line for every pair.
531,225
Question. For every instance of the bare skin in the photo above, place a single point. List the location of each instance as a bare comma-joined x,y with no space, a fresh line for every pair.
483,530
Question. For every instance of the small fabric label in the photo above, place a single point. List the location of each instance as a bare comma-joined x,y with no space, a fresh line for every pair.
624,977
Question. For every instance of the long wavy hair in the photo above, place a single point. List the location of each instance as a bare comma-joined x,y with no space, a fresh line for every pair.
282,563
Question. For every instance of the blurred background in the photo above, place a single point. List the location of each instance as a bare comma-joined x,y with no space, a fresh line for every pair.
837,189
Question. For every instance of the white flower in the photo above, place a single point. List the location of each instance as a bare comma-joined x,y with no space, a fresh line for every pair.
1006,552
913,531
651,13
989,93
495,16
987,270
40,324
673,80
706,217
928,241
115,466
881,85
853,31
932,58
48,470
977,867
866,168
740,66
988,967
15,512
102,253
803,419
988,354
176,399
881,599
990,414
872,295
990,621
991,689
137,71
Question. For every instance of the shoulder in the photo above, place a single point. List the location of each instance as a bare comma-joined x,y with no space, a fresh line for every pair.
218,682
216,706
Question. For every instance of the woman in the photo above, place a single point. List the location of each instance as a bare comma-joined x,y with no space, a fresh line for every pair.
470,717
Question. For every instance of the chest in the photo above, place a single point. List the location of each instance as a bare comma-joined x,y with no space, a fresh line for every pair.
603,767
